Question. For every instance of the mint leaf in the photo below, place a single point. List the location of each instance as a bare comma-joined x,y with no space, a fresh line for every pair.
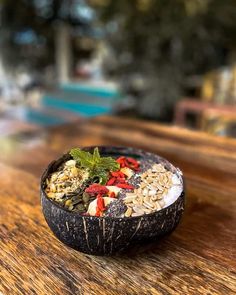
96,155
98,166
102,175
83,158
108,163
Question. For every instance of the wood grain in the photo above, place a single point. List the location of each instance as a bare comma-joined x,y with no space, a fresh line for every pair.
198,258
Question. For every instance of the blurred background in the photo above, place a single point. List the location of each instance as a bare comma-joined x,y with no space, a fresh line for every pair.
161,60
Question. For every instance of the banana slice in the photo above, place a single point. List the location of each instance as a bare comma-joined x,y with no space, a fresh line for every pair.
92,208
114,189
127,171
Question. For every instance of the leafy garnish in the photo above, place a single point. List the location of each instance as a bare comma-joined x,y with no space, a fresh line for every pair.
99,167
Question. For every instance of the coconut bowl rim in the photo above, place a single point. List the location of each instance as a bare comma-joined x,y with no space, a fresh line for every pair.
135,150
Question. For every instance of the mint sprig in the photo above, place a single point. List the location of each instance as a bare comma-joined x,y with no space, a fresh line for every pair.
97,166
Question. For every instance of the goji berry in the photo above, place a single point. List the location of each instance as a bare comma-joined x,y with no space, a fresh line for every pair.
121,174
125,185
98,212
112,195
111,181
120,180
126,163
120,159
100,203
96,188
133,161
115,174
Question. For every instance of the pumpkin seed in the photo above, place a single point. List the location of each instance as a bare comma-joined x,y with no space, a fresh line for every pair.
86,197
68,203
80,207
75,202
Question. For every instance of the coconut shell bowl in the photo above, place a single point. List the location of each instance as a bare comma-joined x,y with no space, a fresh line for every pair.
106,235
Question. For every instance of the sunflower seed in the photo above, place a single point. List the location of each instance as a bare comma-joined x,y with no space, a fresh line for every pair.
154,198
148,205
152,192
143,185
128,212
161,203
136,214
146,199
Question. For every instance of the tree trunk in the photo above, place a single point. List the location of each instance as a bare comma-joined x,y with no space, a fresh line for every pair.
63,52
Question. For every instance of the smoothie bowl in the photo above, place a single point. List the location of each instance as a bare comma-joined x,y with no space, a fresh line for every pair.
101,200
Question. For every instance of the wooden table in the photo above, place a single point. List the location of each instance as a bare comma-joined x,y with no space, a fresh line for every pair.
198,258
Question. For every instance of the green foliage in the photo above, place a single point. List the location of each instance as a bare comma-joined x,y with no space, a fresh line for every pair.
166,42
99,167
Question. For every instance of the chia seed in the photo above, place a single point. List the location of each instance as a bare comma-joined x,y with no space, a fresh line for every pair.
116,208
